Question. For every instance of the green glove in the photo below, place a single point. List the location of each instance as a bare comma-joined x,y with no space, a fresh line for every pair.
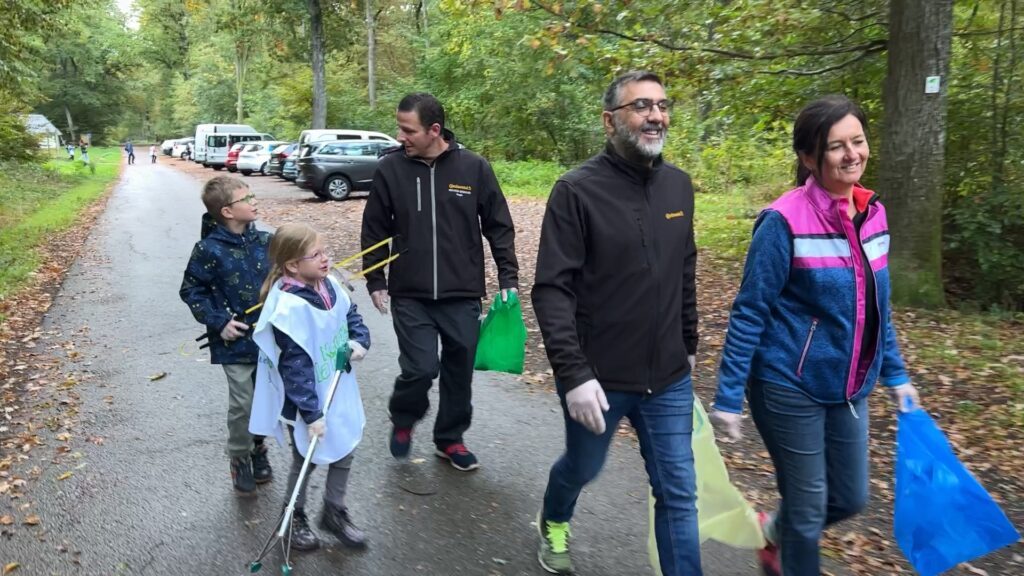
341,359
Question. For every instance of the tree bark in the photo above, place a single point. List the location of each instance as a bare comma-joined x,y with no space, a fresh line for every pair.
71,125
241,64
913,147
371,54
316,49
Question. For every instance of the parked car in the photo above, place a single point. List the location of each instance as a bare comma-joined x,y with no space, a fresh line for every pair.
218,146
204,130
181,147
231,162
309,138
290,168
166,146
255,157
334,169
278,156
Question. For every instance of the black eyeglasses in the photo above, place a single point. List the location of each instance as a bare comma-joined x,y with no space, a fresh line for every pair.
644,106
248,198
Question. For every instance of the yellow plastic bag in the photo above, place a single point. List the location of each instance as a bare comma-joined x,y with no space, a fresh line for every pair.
722,512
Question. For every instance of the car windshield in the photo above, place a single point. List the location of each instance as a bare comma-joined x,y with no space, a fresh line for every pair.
357,148
252,148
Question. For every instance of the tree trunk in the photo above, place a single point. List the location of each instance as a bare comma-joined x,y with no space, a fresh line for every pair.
371,55
316,49
241,63
71,125
913,147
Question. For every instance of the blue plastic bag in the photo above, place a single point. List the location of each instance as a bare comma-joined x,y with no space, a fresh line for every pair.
943,515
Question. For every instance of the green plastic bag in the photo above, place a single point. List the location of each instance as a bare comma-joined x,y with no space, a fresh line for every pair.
502,344
722,512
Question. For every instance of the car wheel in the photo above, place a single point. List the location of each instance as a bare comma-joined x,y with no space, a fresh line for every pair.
232,169
263,169
217,168
337,187
246,172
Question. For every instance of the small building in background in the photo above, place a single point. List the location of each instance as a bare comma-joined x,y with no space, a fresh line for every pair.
44,130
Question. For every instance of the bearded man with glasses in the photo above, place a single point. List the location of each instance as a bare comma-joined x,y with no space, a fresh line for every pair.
615,297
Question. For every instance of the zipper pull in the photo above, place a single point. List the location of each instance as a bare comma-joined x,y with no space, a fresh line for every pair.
852,410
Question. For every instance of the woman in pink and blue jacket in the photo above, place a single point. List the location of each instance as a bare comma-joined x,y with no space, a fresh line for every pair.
810,333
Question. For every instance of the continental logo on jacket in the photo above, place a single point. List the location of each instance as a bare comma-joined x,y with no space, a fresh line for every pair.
671,215
460,190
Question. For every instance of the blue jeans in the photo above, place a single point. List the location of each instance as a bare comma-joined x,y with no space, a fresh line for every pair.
664,425
820,453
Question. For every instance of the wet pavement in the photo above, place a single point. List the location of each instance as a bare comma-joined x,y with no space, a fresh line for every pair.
156,498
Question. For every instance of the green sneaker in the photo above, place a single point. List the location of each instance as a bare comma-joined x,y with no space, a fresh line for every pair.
554,546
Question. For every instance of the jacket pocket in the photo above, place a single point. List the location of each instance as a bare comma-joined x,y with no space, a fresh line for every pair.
807,347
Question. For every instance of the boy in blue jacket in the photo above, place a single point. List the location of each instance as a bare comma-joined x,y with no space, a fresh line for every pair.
222,280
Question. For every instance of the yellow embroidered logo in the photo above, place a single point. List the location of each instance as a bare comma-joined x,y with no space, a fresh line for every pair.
671,215
460,189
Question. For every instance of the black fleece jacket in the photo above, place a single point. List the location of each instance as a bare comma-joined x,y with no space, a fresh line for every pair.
615,291
436,213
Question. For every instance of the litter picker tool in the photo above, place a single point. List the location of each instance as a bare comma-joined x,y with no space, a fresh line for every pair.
343,275
283,532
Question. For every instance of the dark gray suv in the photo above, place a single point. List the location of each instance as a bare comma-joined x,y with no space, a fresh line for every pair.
334,169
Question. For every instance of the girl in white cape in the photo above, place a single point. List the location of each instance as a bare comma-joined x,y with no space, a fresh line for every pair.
306,321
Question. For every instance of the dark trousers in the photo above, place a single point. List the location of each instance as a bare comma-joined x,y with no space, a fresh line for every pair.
418,324
820,452
131,158
337,478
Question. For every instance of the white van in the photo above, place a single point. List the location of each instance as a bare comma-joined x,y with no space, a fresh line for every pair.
308,137
204,130
218,144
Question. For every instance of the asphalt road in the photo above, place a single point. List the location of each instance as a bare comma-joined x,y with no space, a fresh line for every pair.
156,497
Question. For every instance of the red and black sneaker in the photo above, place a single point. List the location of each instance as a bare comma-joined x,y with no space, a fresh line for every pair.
401,442
460,457
768,557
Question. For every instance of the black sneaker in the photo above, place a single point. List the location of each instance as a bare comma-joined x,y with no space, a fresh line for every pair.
261,471
459,457
338,523
241,476
401,442
303,537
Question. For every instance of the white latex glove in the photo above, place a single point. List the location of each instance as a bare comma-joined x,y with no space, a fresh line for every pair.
317,429
505,291
693,362
906,398
358,352
587,405
380,300
728,424
233,330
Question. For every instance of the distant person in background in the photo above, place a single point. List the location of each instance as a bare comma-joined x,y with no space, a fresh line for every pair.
152,154
85,151
71,151
131,152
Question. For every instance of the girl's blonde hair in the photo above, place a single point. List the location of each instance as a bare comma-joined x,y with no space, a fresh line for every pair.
290,242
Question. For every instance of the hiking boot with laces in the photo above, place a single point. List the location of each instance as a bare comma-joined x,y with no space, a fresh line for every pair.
241,476
553,554
459,457
768,557
303,537
401,442
337,522
261,471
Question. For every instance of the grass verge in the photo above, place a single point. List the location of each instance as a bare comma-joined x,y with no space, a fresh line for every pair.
37,201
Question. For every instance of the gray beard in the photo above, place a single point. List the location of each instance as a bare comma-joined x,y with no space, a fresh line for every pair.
629,144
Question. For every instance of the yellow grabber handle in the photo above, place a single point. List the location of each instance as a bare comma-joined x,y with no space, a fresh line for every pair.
359,274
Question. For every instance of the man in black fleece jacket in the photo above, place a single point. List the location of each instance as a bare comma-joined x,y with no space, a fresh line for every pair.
435,199
615,298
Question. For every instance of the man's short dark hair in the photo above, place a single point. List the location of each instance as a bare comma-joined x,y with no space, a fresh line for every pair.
428,108
611,95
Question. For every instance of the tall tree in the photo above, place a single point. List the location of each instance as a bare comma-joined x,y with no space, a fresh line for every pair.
913,145
371,54
316,49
